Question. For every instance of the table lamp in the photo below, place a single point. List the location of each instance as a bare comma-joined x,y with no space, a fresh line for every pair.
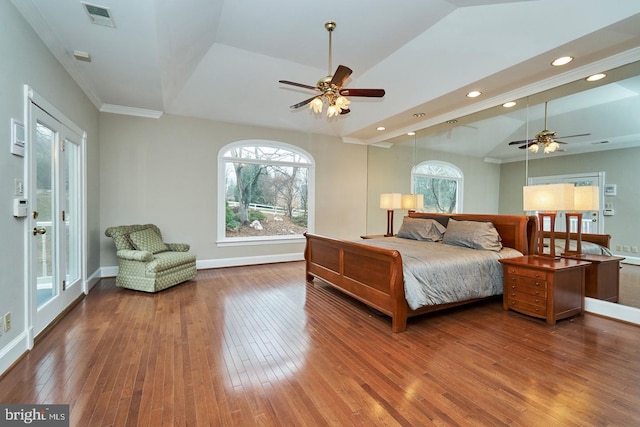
412,202
547,199
585,198
390,201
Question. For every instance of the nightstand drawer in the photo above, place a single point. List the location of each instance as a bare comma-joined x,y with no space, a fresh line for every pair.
528,298
526,272
525,281
528,308
539,291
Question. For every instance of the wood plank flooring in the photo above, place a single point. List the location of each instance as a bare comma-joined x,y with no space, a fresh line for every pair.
256,345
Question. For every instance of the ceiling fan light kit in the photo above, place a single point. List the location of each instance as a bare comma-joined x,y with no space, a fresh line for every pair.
545,139
330,87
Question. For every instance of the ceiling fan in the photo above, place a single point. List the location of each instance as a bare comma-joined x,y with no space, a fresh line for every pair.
330,88
544,139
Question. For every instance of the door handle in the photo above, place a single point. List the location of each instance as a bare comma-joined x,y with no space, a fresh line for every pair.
39,231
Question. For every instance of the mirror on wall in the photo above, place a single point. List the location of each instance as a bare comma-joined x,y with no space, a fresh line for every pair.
600,123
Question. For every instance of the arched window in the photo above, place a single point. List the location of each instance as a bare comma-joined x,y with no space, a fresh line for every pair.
441,185
265,192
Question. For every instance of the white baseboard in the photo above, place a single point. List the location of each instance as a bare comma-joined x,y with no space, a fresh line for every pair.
11,352
629,260
612,310
112,271
93,279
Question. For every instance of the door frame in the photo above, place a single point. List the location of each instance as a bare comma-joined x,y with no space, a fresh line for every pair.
32,97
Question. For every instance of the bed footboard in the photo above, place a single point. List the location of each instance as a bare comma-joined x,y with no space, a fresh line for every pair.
371,275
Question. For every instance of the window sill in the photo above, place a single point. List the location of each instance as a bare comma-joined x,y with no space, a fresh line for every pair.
258,241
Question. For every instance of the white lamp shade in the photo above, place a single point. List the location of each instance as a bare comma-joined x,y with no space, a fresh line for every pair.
548,197
586,198
412,201
391,201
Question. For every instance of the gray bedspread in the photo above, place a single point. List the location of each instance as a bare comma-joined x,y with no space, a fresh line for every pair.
437,273
587,247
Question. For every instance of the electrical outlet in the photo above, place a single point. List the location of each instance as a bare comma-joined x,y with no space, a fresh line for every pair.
625,248
618,248
634,249
7,322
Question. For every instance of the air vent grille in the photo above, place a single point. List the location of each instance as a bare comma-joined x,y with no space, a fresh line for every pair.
99,15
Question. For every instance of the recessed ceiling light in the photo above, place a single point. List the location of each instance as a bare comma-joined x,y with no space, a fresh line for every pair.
509,104
411,133
596,77
452,121
418,115
380,128
474,94
562,61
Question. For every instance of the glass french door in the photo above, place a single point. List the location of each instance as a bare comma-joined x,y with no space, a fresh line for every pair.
54,223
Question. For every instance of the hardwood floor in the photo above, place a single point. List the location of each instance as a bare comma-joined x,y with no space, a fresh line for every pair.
257,346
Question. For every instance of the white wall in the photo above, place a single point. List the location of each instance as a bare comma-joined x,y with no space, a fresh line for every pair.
620,167
26,60
389,171
164,171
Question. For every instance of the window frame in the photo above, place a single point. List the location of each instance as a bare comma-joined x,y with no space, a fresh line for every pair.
459,179
222,240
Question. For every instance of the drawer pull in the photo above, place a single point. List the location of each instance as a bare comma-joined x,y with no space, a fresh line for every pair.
537,309
513,303
537,292
537,283
537,275
513,286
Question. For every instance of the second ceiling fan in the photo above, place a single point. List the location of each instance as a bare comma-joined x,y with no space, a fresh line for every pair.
544,139
330,88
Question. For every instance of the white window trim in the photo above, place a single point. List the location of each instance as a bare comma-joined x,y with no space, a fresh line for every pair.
459,179
222,240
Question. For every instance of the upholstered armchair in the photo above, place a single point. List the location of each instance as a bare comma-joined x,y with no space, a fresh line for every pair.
145,262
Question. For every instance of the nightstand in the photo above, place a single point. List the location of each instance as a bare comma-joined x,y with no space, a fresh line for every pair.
544,287
602,279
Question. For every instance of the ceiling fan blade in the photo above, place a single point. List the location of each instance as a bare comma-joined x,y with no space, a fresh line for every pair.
559,142
303,103
287,82
522,141
341,75
573,136
527,145
345,111
373,93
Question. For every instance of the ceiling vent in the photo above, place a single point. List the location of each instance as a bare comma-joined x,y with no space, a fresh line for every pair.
99,15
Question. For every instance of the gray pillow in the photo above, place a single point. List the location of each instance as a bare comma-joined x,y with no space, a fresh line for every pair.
472,234
428,230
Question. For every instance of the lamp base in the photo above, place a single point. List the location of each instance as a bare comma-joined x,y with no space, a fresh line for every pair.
389,223
567,245
552,234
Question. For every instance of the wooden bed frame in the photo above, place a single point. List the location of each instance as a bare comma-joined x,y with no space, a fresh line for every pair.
374,275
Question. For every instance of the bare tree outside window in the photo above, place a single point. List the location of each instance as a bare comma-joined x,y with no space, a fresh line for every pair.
266,191
441,185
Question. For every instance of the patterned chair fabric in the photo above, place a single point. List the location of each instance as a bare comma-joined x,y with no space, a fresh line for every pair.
145,262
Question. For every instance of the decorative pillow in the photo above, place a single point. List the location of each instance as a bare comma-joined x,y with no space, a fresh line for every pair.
472,234
421,229
121,239
148,240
